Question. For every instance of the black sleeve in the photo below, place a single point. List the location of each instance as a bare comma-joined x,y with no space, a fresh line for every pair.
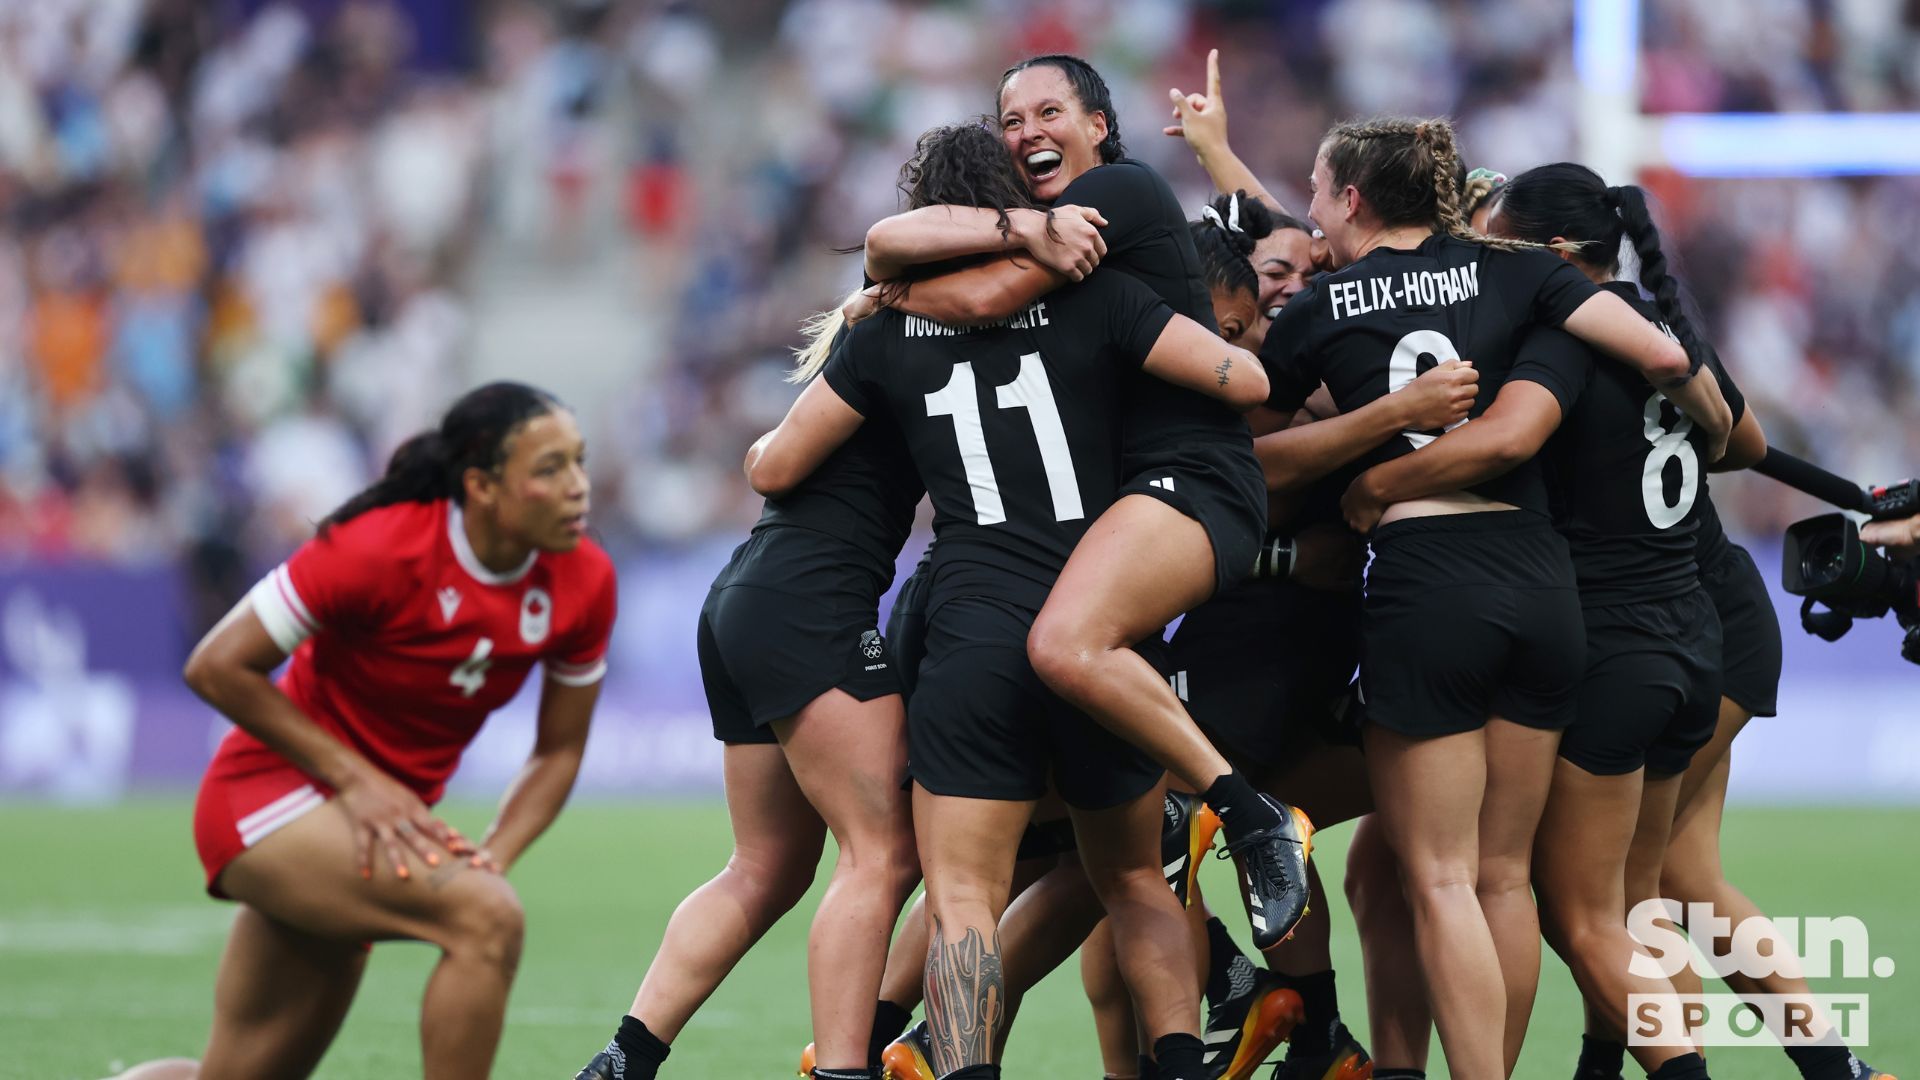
1291,374
1134,315
1539,285
1556,360
1736,400
856,360
1124,194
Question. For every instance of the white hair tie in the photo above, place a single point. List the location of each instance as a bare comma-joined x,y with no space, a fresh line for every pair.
1232,221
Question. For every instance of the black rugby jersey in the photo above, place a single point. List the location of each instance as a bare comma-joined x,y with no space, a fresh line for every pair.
1014,428
1628,467
1373,327
1148,239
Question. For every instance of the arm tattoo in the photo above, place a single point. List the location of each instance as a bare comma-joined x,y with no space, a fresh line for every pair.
966,998
1225,368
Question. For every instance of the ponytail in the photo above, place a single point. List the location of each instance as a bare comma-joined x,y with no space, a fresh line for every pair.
1630,201
432,465
822,331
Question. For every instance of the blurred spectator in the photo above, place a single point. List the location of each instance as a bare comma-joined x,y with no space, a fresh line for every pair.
250,247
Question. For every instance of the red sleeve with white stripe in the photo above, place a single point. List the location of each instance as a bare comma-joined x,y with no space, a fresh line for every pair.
580,659
322,585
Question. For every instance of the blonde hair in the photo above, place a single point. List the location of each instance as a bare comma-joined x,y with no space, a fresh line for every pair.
820,329
1408,170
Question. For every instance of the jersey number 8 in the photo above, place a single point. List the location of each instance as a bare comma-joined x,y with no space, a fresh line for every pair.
1667,446
1031,391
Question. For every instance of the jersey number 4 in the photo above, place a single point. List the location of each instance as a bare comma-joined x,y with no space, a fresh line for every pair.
1030,391
471,675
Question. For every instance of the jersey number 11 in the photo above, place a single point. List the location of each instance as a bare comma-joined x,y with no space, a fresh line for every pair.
1030,391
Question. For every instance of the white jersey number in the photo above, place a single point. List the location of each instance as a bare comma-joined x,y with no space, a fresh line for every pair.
1667,446
1404,367
471,675
1031,391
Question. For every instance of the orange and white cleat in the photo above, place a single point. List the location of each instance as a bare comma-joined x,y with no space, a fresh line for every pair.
906,1058
1244,1029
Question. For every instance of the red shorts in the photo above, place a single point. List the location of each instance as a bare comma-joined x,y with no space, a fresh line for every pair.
248,792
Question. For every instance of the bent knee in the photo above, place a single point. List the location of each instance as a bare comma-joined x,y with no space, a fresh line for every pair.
772,882
489,919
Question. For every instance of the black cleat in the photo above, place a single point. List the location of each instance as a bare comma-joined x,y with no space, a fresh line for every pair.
1185,836
1346,1060
1273,873
1245,1028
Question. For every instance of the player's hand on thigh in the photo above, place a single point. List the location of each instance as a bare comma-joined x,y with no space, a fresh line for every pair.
389,820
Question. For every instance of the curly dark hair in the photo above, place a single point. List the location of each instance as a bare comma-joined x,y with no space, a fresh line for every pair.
965,165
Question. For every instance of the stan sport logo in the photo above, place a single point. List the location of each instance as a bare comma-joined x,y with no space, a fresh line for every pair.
1761,949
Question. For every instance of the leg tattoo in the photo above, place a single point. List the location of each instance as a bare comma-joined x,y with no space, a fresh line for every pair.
966,998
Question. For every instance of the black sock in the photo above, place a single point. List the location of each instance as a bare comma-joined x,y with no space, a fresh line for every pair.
1229,972
1399,1074
1178,1057
641,1050
974,1072
1684,1067
844,1074
1828,1061
1241,808
1321,1008
1600,1059
1146,1068
889,1020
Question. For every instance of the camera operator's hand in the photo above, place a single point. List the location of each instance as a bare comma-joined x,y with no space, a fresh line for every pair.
1901,537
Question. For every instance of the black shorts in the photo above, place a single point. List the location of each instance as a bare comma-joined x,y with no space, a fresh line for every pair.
1223,489
1264,666
907,626
1469,616
1749,628
982,725
1651,694
792,616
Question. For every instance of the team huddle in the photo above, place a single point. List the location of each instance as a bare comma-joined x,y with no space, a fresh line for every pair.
1423,482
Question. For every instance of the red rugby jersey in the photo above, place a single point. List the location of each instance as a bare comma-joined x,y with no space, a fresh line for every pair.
402,642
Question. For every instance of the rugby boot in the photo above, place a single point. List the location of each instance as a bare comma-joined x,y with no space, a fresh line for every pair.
1186,836
1273,873
1346,1060
807,1061
908,1057
1244,1029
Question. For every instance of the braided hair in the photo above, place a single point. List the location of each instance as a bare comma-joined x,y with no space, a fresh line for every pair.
1408,170
1570,200
1228,230
431,465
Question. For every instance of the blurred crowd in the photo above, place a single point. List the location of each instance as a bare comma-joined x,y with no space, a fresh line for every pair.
250,245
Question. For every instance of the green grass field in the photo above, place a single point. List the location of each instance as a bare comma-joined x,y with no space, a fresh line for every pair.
108,947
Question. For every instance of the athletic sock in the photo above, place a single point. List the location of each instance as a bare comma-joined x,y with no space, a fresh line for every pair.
1178,1057
1826,1061
1399,1074
1321,1004
889,1020
1600,1059
639,1051
1684,1067
1229,972
1146,1069
1241,809
974,1072
843,1074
